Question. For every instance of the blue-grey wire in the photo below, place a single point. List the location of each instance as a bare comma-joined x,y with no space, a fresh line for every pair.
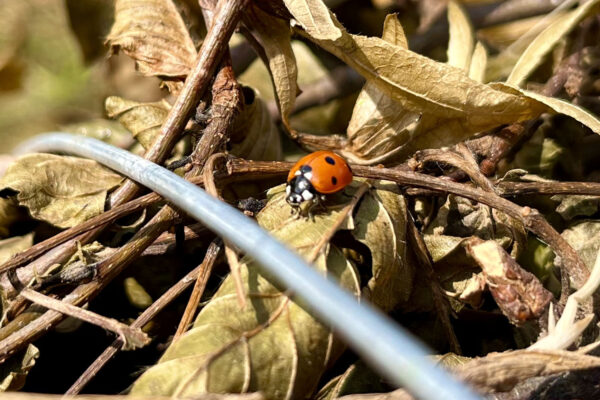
379,341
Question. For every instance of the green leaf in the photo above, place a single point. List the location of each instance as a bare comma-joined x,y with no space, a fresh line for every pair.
63,191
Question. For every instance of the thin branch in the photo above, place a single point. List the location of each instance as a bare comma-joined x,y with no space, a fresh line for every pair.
205,270
214,46
130,336
148,314
232,258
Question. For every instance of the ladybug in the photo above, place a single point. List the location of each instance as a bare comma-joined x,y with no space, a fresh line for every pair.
315,175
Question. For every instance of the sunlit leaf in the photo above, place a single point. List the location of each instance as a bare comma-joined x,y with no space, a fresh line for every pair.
63,191
143,120
460,47
478,63
546,40
153,33
315,18
274,35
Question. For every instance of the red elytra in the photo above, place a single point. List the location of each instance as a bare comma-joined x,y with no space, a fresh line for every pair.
329,172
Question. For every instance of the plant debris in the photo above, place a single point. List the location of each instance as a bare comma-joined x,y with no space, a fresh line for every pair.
471,128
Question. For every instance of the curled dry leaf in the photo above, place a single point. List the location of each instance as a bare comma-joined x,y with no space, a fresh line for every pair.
380,223
143,120
153,33
315,18
547,39
254,135
379,125
460,46
14,371
518,293
63,191
274,35
274,345
447,236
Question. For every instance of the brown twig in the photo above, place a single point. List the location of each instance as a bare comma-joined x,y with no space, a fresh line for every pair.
131,337
205,270
213,47
167,297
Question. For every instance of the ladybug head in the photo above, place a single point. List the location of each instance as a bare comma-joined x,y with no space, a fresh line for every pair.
298,190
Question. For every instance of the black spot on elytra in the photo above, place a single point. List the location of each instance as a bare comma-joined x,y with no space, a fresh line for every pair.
334,180
329,160
305,168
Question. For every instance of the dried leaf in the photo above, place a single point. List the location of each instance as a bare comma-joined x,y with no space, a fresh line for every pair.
584,237
274,35
421,84
64,191
254,135
518,293
136,294
556,105
380,224
546,40
379,125
456,105
234,350
460,46
429,12
14,371
478,63
502,371
143,120
153,33
314,17
572,206
513,37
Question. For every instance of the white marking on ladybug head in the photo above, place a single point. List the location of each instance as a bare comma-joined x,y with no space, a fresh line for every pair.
308,175
297,173
302,184
294,199
307,195
288,189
